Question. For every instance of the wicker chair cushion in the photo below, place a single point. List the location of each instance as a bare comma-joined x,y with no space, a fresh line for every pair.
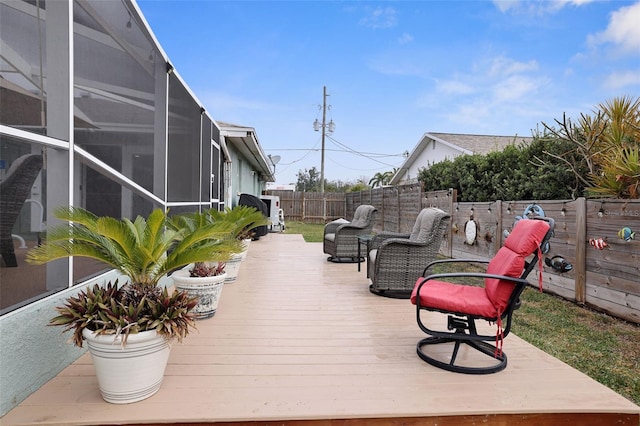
423,227
330,237
362,215
457,298
523,241
372,255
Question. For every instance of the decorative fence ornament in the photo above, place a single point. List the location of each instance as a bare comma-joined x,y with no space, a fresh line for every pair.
559,264
530,211
598,243
470,231
626,234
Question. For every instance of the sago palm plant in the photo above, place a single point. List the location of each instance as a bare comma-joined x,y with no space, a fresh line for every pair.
244,220
144,250
223,234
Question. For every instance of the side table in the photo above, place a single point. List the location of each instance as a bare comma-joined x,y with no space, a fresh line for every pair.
363,239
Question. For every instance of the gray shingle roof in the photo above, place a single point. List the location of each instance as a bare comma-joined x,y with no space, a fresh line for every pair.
481,144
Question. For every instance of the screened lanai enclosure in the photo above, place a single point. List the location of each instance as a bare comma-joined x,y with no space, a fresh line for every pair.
105,120
93,114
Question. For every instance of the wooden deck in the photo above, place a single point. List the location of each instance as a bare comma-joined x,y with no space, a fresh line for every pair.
298,340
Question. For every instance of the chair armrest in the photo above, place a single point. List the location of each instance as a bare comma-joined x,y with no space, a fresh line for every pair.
441,261
348,231
350,226
401,241
380,238
331,227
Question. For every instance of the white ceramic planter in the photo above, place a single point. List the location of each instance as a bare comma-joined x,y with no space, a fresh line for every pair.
245,248
233,268
206,289
130,373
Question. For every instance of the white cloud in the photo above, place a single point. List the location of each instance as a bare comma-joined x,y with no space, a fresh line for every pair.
405,38
506,5
380,18
618,80
515,88
623,30
479,100
536,7
506,66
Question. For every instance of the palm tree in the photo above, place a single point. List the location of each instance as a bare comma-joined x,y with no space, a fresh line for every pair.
382,178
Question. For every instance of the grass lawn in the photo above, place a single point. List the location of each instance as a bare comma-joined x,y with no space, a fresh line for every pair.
601,346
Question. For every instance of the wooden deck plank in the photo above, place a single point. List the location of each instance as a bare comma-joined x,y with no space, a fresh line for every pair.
299,340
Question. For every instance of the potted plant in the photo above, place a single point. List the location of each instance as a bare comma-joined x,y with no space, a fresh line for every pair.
243,219
139,316
205,280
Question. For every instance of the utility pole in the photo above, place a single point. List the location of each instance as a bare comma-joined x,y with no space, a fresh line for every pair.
324,119
326,128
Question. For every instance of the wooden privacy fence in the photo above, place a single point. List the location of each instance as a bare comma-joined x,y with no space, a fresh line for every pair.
606,279
311,207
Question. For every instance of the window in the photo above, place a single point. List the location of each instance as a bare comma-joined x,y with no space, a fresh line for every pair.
118,96
183,179
28,190
23,30
125,116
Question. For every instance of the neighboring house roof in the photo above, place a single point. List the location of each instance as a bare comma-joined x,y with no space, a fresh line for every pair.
461,143
479,144
245,141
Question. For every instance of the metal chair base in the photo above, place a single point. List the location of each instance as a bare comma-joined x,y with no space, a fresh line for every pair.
481,346
393,294
335,259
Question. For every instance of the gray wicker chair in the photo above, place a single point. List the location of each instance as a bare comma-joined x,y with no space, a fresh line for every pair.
341,236
395,261
14,190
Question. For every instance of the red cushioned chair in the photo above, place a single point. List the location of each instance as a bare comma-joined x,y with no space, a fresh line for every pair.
504,281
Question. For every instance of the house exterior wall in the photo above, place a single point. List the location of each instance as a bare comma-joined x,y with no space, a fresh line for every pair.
244,178
433,152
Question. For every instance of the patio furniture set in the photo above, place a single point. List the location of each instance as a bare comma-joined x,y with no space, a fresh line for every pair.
406,266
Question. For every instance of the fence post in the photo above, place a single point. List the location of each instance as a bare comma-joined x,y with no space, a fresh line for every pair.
499,235
452,198
304,203
324,208
398,224
580,253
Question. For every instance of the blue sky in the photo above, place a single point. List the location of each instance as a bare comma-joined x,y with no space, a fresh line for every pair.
395,70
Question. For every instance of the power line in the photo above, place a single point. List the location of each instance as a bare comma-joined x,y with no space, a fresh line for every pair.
373,154
359,153
350,167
